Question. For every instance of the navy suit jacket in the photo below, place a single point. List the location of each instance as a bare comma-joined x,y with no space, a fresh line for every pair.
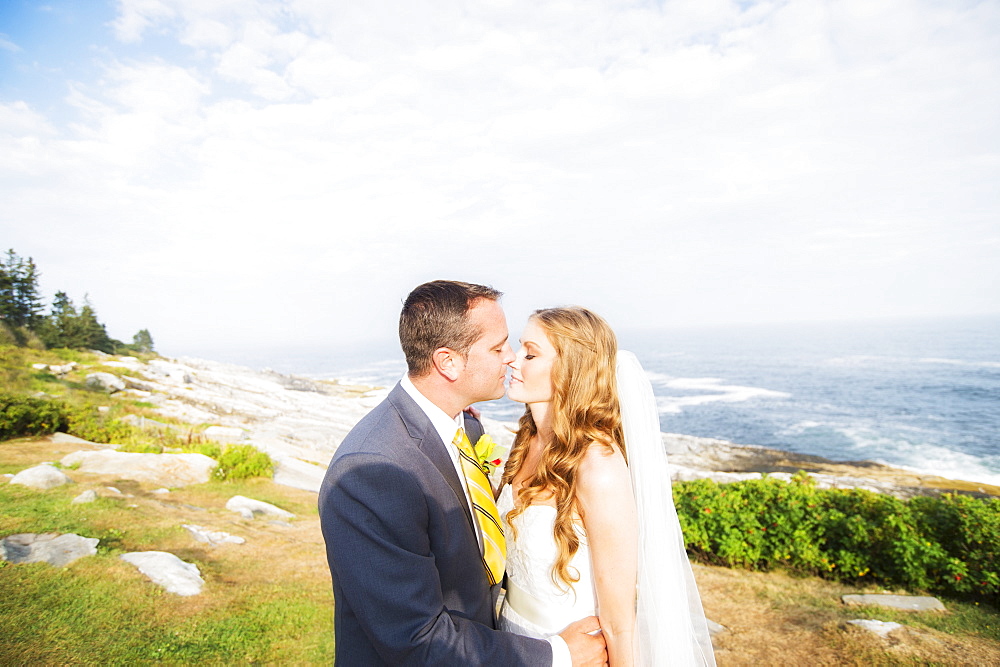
408,580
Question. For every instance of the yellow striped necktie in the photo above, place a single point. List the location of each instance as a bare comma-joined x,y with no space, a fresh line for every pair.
484,507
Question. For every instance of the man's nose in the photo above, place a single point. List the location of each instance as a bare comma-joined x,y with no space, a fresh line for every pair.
509,356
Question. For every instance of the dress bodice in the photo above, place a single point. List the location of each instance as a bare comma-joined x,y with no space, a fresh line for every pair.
531,553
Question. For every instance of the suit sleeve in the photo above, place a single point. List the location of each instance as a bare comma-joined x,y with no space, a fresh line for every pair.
375,522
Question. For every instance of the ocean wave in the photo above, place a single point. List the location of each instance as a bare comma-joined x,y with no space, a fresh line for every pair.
910,452
659,379
721,393
960,362
869,359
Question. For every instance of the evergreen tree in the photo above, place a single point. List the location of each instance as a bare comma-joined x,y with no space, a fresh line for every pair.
94,334
6,294
28,301
142,341
20,305
65,326
62,327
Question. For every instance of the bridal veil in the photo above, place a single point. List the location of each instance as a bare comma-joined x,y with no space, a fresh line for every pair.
670,622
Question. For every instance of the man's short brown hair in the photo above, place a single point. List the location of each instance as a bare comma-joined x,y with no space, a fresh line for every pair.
435,315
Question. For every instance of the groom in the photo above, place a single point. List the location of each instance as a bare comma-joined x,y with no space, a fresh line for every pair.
409,582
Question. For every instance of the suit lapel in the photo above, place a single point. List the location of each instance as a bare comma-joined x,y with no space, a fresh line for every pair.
429,442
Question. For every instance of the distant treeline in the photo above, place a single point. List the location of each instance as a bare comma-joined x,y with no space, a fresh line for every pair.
24,323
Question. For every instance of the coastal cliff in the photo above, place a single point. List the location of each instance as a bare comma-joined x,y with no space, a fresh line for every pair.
300,422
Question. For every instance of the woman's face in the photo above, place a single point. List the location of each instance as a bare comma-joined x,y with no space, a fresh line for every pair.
531,370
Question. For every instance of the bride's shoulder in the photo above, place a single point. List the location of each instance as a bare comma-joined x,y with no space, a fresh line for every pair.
603,470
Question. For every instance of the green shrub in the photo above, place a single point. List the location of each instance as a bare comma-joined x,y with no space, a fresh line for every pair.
968,531
208,448
87,422
949,544
23,416
243,462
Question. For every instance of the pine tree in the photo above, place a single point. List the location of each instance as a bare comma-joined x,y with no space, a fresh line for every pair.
65,326
20,305
94,334
62,327
29,303
142,341
6,293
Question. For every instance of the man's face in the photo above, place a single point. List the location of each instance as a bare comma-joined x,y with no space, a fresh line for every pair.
486,365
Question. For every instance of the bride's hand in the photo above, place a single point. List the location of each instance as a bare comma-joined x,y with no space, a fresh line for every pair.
585,641
473,411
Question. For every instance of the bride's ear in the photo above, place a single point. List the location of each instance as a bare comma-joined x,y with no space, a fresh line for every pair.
447,362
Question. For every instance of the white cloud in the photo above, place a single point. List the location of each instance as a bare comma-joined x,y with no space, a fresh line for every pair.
8,45
696,160
137,15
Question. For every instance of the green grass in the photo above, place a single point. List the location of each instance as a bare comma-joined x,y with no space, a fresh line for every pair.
268,601
962,618
31,511
98,611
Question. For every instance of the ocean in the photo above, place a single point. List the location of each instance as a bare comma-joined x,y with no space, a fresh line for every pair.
922,394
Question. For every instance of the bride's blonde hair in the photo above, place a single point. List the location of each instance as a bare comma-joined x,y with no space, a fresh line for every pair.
584,411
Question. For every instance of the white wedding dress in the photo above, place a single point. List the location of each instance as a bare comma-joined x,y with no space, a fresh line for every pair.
671,628
541,608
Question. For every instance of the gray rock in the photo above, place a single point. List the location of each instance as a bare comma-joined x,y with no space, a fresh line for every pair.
67,439
175,373
60,370
167,570
87,496
904,602
105,382
147,424
243,505
170,470
225,433
130,363
298,474
880,628
212,537
42,477
53,548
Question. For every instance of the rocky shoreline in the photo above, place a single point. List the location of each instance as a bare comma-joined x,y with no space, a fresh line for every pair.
300,422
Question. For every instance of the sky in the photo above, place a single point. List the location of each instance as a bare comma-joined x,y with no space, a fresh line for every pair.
250,174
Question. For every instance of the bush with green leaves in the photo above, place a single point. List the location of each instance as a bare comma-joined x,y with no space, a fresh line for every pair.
87,422
209,448
22,416
948,544
243,462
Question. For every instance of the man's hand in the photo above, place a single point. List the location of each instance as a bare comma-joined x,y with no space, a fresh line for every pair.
585,648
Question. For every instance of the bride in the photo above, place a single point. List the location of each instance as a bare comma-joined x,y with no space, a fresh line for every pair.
586,503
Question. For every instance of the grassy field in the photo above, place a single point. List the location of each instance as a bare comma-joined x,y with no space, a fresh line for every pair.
266,601
269,601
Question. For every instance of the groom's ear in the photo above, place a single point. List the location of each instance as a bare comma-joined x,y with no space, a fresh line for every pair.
447,362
